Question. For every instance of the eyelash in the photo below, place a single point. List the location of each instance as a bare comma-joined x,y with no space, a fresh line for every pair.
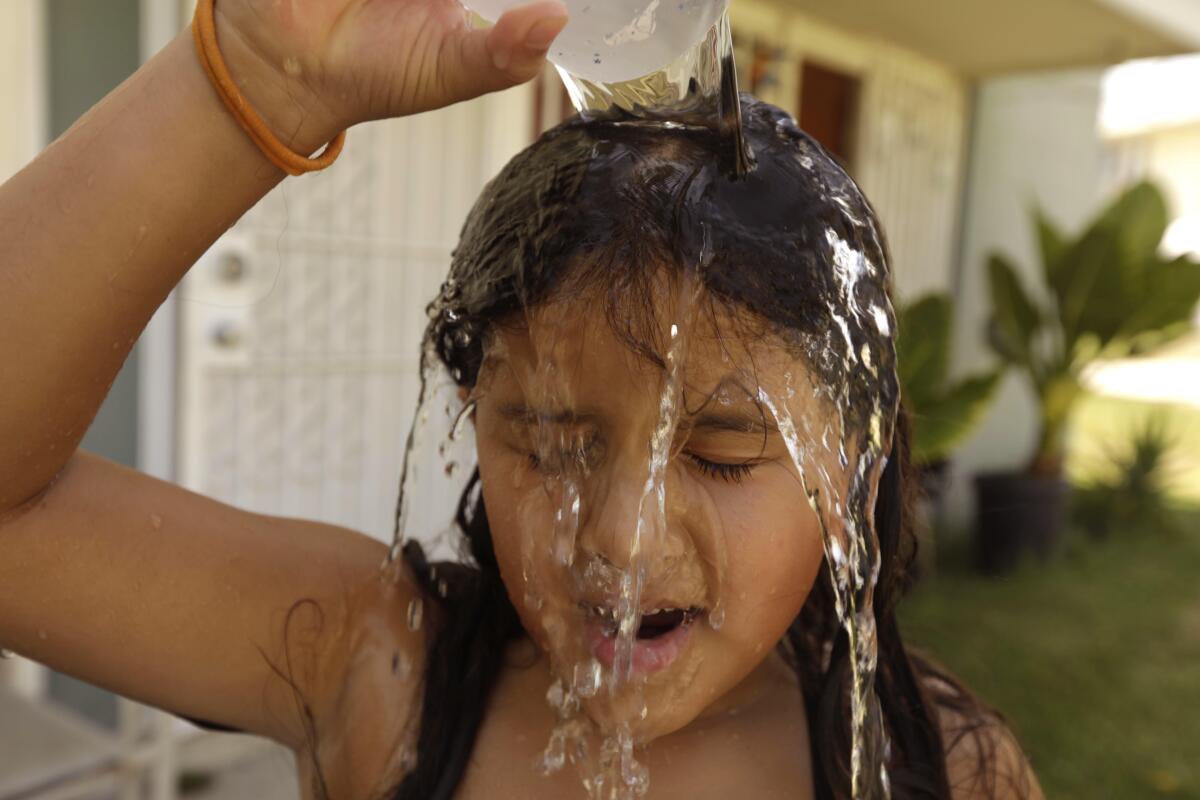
535,462
730,473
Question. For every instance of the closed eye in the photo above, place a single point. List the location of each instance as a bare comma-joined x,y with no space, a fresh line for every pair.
580,459
730,473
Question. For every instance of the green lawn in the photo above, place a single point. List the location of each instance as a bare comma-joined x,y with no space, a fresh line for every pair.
1094,658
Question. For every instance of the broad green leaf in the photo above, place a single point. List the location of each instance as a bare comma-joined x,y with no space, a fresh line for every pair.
1091,293
1131,229
1141,217
940,426
1015,319
1172,292
923,347
1052,244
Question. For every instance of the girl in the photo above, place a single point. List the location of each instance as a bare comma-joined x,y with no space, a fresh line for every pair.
608,267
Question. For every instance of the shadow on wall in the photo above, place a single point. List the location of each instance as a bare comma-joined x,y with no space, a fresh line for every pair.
90,48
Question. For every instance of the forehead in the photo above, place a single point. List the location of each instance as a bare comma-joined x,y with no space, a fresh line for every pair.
585,348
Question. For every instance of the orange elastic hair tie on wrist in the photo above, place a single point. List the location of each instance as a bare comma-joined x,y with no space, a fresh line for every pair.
204,32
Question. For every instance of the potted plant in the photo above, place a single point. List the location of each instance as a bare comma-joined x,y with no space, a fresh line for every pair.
1111,294
942,411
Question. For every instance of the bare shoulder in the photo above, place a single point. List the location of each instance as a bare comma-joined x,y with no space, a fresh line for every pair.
984,760
366,741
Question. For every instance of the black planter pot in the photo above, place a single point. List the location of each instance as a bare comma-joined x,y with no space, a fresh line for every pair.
1018,514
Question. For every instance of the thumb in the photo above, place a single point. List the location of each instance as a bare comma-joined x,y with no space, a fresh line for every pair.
510,52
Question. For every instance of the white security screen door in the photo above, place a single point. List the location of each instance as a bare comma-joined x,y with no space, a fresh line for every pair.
300,329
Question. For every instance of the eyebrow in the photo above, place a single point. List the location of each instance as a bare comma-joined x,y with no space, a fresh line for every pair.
733,421
516,412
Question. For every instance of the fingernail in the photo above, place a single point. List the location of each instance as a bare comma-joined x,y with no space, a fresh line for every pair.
501,57
543,32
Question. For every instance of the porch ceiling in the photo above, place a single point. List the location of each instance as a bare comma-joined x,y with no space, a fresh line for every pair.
988,37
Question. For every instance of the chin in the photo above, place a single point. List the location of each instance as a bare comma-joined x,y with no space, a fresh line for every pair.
648,712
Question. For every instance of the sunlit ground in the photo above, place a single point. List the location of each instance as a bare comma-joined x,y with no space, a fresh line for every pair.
1105,425
1095,656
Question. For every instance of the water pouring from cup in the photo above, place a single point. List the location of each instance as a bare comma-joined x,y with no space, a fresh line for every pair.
613,41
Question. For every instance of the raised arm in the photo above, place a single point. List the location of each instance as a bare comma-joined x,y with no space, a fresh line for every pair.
134,584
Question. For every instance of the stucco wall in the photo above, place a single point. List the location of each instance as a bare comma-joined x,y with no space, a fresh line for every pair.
1035,141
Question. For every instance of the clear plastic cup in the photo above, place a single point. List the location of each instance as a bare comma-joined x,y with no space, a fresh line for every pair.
610,41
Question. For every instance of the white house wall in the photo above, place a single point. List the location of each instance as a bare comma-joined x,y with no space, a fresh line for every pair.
1035,142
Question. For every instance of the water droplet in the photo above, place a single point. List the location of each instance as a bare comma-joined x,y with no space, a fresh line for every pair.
533,600
587,678
416,609
716,617
156,522
460,421
401,666
555,754
556,695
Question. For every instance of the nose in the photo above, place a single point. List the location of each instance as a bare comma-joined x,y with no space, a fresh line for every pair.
609,528
626,521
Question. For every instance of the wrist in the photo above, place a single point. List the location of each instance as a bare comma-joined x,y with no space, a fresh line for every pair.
277,90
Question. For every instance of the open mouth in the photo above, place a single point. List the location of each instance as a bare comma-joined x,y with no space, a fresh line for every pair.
661,621
661,635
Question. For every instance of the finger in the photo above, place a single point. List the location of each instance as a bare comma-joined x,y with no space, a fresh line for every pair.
510,52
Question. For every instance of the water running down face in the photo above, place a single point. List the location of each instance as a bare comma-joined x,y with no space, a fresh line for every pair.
739,539
608,285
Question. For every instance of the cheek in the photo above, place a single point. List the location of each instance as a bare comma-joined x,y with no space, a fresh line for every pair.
517,510
503,513
774,546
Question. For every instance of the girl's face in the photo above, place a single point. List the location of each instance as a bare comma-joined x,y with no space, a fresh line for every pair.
565,416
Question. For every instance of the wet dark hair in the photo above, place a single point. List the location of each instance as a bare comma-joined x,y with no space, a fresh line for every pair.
602,206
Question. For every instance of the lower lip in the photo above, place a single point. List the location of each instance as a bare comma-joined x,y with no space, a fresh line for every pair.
649,655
